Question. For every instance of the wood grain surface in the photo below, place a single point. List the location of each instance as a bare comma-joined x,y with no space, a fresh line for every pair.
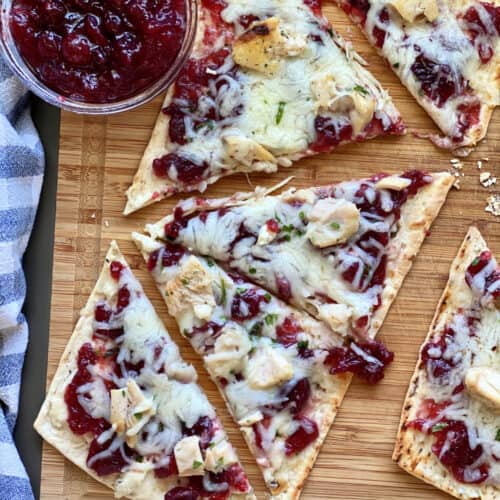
98,158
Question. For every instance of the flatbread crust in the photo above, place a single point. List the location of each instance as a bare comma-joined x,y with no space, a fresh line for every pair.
413,451
417,215
51,422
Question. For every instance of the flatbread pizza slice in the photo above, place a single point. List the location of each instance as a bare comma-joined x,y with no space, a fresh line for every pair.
268,82
126,408
339,252
446,52
450,427
282,373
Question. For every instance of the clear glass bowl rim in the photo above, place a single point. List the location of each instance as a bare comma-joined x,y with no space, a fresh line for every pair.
16,63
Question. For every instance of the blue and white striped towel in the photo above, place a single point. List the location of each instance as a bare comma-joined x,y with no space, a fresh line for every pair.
21,174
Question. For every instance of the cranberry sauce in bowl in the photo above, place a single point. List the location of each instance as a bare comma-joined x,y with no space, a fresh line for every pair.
99,56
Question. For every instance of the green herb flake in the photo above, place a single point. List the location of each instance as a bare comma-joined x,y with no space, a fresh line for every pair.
395,65
210,262
287,237
240,290
303,344
197,464
139,459
124,393
335,225
209,124
223,295
138,415
211,445
439,427
497,437
220,461
185,281
270,319
277,217
475,262
287,228
302,216
280,112
298,232
361,89
252,270
268,297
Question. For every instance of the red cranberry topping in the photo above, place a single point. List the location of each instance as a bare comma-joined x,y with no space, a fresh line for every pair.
179,168
102,313
265,422
79,421
286,332
477,265
438,80
284,288
315,6
98,51
483,35
306,434
357,9
468,117
170,255
453,448
235,476
204,428
273,226
429,410
182,493
432,355
299,395
345,359
173,228
246,20
246,305
115,269
111,464
123,298
167,470
378,33
329,135
108,333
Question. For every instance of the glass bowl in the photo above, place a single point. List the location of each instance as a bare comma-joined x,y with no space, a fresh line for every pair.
16,62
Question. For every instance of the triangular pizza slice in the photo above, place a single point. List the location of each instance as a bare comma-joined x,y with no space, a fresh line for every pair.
450,426
282,373
339,252
126,408
268,82
446,52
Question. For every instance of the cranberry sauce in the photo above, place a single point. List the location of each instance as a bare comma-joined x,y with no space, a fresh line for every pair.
451,443
306,434
246,304
482,25
483,276
368,365
100,51
357,9
169,255
433,355
112,463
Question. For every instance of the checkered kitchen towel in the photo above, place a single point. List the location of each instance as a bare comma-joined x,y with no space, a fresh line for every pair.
21,173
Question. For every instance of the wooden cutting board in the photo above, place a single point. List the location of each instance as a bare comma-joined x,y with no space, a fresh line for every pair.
98,158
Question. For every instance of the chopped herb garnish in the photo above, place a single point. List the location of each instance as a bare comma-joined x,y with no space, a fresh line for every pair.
439,427
302,216
124,394
303,344
288,228
211,445
276,217
209,124
240,290
497,437
256,330
268,297
280,112
335,225
420,92
210,262
287,237
223,295
298,232
252,270
196,464
220,461
138,415
139,459
395,65
185,281
270,319
361,89
475,262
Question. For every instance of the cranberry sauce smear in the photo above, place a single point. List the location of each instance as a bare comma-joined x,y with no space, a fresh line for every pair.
357,9
115,269
111,464
451,443
246,304
100,51
170,255
483,34
432,355
179,168
287,331
79,421
369,365
306,434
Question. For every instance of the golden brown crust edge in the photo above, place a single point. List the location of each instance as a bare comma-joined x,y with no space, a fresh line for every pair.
412,450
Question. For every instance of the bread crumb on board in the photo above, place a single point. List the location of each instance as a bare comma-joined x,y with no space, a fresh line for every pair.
493,204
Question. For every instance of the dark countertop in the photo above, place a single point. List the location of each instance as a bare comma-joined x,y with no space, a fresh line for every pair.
38,270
